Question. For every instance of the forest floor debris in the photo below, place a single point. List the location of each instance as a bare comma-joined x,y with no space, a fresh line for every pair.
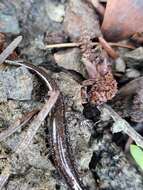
65,37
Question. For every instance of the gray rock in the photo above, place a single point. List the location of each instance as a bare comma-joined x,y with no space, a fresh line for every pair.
120,65
8,20
134,58
55,11
70,59
40,17
33,52
132,73
70,88
80,19
16,83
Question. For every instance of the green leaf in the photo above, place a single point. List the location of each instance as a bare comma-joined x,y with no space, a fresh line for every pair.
137,154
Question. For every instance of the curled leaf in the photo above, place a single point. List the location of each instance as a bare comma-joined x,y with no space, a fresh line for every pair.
122,19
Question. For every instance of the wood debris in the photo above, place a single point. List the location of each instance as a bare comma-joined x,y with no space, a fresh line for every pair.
122,125
10,48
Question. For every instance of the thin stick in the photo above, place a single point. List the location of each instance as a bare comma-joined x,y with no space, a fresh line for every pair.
37,121
4,176
121,45
122,125
33,68
70,45
110,51
6,133
10,48
63,45
34,126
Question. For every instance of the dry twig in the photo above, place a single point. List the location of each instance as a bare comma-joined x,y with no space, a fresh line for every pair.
108,48
76,44
122,125
34,126
6,133
37,121
4,176
10,48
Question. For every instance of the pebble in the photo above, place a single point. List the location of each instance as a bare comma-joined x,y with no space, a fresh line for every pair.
16,84
70,59
56,12
134,58
70,88
132,73
81,19
120,65
8,20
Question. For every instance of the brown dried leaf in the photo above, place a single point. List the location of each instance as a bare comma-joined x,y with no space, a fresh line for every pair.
104,89
122,19
103,86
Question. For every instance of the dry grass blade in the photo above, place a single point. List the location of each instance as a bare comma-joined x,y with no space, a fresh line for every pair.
122,125
34,68
76,44
63,45
121,45
30,134
10,48
6,133
4,176
37,121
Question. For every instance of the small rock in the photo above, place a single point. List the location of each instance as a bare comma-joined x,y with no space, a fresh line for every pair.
33,52
88,179
8,20
56,12
70,59
128,103
134,58
69,87
80,19
55,37
40,18
15,84
120,65
132,73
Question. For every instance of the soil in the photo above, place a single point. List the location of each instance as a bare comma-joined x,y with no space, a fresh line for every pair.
99,155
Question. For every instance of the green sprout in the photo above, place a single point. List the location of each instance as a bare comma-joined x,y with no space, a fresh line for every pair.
137,154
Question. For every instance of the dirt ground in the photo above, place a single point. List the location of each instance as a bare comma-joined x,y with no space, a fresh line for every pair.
102,158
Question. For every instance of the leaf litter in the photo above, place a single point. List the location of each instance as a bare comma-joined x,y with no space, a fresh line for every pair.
85,30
